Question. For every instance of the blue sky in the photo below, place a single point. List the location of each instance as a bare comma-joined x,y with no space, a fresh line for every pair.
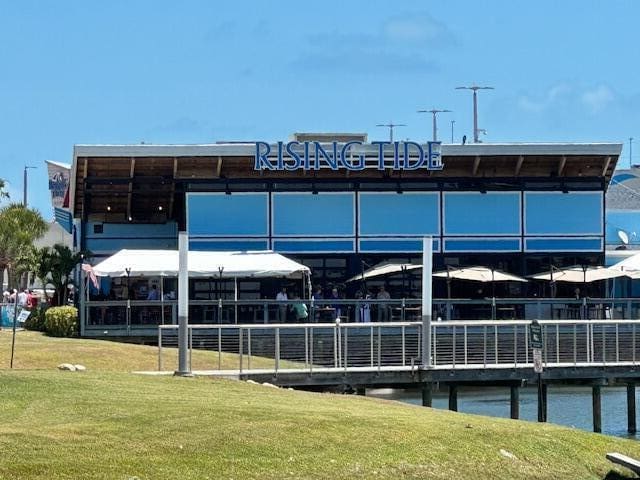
202,71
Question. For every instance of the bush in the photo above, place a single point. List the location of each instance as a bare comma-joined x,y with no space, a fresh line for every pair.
37,319
61,321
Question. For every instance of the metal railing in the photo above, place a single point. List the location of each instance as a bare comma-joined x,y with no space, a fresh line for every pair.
139,315
310,347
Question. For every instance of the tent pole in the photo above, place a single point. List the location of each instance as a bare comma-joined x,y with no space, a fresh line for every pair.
235,298
162,299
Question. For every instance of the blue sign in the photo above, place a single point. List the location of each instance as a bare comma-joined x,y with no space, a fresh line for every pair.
293,156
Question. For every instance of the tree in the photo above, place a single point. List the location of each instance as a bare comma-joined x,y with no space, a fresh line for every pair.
3,191
19,227
61,262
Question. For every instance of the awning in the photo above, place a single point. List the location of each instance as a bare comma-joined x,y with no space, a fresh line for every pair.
164,263
384,269
578,274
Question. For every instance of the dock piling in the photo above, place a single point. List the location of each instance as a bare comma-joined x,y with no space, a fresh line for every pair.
453,398
597,408
631,408
515,402
427,394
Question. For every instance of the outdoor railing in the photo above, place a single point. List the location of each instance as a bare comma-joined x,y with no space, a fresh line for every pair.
456,344
144,315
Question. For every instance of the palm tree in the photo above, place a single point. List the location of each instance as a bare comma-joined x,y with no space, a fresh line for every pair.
43,268
3,192
19,227
61,262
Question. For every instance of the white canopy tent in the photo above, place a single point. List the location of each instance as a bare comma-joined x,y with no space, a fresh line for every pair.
164,263
478,274
630,263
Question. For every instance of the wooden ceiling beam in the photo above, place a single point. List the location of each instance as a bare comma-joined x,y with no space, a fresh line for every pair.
605,166
561,164
132,170
476,166
519,166
173,187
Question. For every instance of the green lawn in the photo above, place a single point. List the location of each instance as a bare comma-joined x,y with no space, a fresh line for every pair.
115,425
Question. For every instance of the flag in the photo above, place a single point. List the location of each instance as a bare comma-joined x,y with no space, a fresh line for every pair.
88,269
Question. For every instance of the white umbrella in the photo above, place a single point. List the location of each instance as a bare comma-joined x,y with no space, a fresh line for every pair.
629,263
479,274
578,274
384,269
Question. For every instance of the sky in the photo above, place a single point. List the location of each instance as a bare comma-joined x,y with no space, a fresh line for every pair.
156,71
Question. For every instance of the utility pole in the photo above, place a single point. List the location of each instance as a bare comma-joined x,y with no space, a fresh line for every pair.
434,112
475,89
391,126
24,185
452,124
630,150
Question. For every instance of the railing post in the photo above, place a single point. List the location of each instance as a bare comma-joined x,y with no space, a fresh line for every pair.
241,349
159,349
277,349
265,313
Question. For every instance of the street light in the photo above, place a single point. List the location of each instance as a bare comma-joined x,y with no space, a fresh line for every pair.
475,89
24,190
391,126
434,112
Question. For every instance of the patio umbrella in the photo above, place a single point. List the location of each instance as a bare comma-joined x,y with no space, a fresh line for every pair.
578,274
384,269
476,274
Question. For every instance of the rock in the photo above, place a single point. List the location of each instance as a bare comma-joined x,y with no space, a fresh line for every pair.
80,368
253,382
510,455
67,366
267,384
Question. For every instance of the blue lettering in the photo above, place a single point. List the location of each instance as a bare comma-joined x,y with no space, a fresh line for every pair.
306,156
295,165
381,153
396,156
435,156
346,161
262,160
332,160
407,160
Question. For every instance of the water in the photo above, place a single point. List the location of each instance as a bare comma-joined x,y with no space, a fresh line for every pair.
568,406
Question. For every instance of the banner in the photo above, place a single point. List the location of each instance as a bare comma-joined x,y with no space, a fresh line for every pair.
59,174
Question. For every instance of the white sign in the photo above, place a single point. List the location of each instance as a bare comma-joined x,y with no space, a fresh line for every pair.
537,360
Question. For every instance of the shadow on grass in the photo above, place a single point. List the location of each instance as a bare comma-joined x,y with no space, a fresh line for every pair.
616,476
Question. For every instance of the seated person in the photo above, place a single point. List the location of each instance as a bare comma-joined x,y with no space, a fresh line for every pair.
153,293
299,309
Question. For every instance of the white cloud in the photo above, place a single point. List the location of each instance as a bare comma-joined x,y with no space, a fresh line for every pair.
418,28
549,99
598,98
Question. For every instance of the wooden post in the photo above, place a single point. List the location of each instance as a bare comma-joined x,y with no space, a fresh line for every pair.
597,408
427,394
361,391
631,407
515,402
453,398
542,401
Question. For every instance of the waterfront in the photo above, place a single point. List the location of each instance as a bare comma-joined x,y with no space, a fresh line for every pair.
568,406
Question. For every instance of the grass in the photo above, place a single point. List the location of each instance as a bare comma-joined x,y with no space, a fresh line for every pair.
114,425
35,350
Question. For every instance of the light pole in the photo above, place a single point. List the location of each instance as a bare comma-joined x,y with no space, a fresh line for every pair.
24,185
391,126
475,89
630,150
452,124
434,112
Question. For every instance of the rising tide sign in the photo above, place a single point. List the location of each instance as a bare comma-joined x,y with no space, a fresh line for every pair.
354,156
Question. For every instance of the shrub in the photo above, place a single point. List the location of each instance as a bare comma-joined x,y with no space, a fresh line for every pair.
61,321
37,319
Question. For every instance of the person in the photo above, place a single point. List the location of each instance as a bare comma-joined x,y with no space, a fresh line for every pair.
336,306
317,293
364,309
383,309
299,310
6,296
153,293
282,309
23,297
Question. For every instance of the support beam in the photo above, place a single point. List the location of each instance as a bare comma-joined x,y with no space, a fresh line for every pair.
173,188
515,402
427,394
631,408
519,166
476,166
596,398
605,167
561,165
132,171
219,167
453,398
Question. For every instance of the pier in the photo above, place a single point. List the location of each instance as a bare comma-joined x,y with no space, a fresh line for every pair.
357,356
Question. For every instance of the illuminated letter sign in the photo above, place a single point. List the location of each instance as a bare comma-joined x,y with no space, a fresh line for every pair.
293,156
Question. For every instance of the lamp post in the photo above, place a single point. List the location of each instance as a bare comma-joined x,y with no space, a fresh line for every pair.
391,126
24,185
434,112
475,89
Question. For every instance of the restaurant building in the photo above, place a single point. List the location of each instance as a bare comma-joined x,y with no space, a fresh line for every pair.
339,204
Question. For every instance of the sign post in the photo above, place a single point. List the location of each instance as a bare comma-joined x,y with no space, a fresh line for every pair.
536,343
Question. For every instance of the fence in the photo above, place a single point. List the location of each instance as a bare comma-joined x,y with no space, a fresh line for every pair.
473,344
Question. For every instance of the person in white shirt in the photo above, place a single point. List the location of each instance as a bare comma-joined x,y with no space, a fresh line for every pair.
22,298
282,309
